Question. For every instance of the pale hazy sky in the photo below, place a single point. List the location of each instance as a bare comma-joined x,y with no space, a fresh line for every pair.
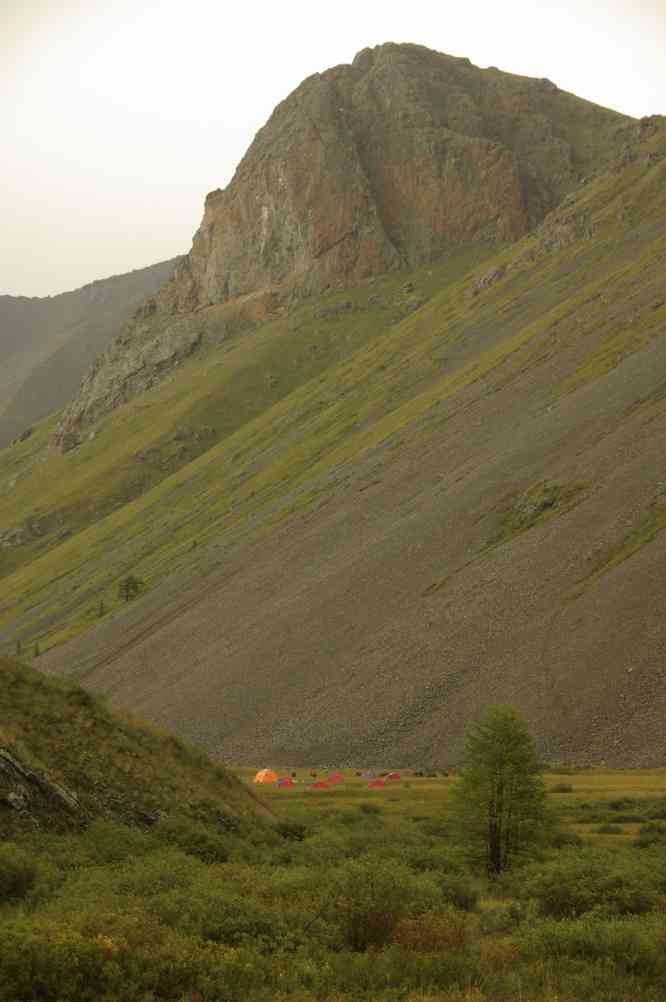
117,116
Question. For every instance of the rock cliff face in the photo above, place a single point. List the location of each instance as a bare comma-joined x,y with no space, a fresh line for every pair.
387,162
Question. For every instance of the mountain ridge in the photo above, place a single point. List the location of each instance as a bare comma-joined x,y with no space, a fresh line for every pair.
391,161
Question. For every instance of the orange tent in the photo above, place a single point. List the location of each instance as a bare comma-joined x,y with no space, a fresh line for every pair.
265,776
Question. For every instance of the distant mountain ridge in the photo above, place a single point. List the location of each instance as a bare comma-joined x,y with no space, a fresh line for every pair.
390,162
47,343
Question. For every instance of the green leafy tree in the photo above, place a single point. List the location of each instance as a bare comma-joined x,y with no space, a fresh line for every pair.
129,587
499,802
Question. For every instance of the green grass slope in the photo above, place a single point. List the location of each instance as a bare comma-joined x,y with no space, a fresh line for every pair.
114,767
413,505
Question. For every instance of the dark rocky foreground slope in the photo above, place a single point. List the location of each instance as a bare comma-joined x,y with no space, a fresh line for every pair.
46,344
390,162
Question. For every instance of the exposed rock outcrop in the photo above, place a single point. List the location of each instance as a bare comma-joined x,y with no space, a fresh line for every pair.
30,794
390,161
129,367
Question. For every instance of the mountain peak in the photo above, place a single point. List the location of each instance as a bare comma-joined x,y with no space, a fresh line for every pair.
391,161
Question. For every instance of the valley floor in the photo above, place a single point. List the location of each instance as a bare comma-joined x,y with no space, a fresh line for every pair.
361,894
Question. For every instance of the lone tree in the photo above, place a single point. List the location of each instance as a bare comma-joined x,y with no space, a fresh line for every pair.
129,587
499,802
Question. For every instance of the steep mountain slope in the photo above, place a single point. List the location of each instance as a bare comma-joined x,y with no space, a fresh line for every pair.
47,344
420,495
393,161
65,759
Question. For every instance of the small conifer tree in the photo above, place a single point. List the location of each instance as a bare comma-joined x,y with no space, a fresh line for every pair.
499,802
129,587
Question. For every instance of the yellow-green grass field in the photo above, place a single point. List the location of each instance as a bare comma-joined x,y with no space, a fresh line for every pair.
582,799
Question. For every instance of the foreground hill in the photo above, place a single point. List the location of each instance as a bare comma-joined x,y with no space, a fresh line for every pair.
66,760
46,344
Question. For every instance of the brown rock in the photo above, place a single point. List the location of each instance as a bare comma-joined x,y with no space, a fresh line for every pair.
387,162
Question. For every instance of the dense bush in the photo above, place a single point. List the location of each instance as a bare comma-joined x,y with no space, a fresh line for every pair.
652,834
195,839
579,881
370,898
18,872
635,945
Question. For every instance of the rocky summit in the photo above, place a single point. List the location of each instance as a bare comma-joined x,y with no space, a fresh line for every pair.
390,162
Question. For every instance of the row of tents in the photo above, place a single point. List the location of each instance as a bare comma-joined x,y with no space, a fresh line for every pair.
323,783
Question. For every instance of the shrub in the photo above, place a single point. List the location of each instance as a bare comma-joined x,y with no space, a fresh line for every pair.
637,946
195,839
562,788
369,899
292,831
621,804
610,829
658,811
459,890
578,881
499,917
432,932
110,842
237,922
18,872
369,808
563,838
651,834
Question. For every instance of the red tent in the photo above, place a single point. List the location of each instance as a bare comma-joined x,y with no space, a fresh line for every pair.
394,775
336,777
376,782
286,781
321,784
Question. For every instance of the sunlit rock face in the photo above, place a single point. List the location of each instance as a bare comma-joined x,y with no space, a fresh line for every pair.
385,163
388,161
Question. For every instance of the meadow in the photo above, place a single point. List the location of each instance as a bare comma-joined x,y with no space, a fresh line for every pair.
351,893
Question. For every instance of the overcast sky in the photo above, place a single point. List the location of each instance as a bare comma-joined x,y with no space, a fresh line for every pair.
117,116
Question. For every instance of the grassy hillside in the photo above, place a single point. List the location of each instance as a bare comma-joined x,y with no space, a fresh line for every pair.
114,767
408,495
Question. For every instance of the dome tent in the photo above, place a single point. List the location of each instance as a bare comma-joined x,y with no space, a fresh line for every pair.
265,776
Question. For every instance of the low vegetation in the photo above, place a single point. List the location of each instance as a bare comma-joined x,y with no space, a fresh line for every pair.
348,892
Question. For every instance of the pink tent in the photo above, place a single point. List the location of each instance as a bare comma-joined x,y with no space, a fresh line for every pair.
336,777
321,784
286,781
394,775
374,783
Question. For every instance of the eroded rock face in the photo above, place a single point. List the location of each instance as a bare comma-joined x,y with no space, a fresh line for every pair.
129,367
388,162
